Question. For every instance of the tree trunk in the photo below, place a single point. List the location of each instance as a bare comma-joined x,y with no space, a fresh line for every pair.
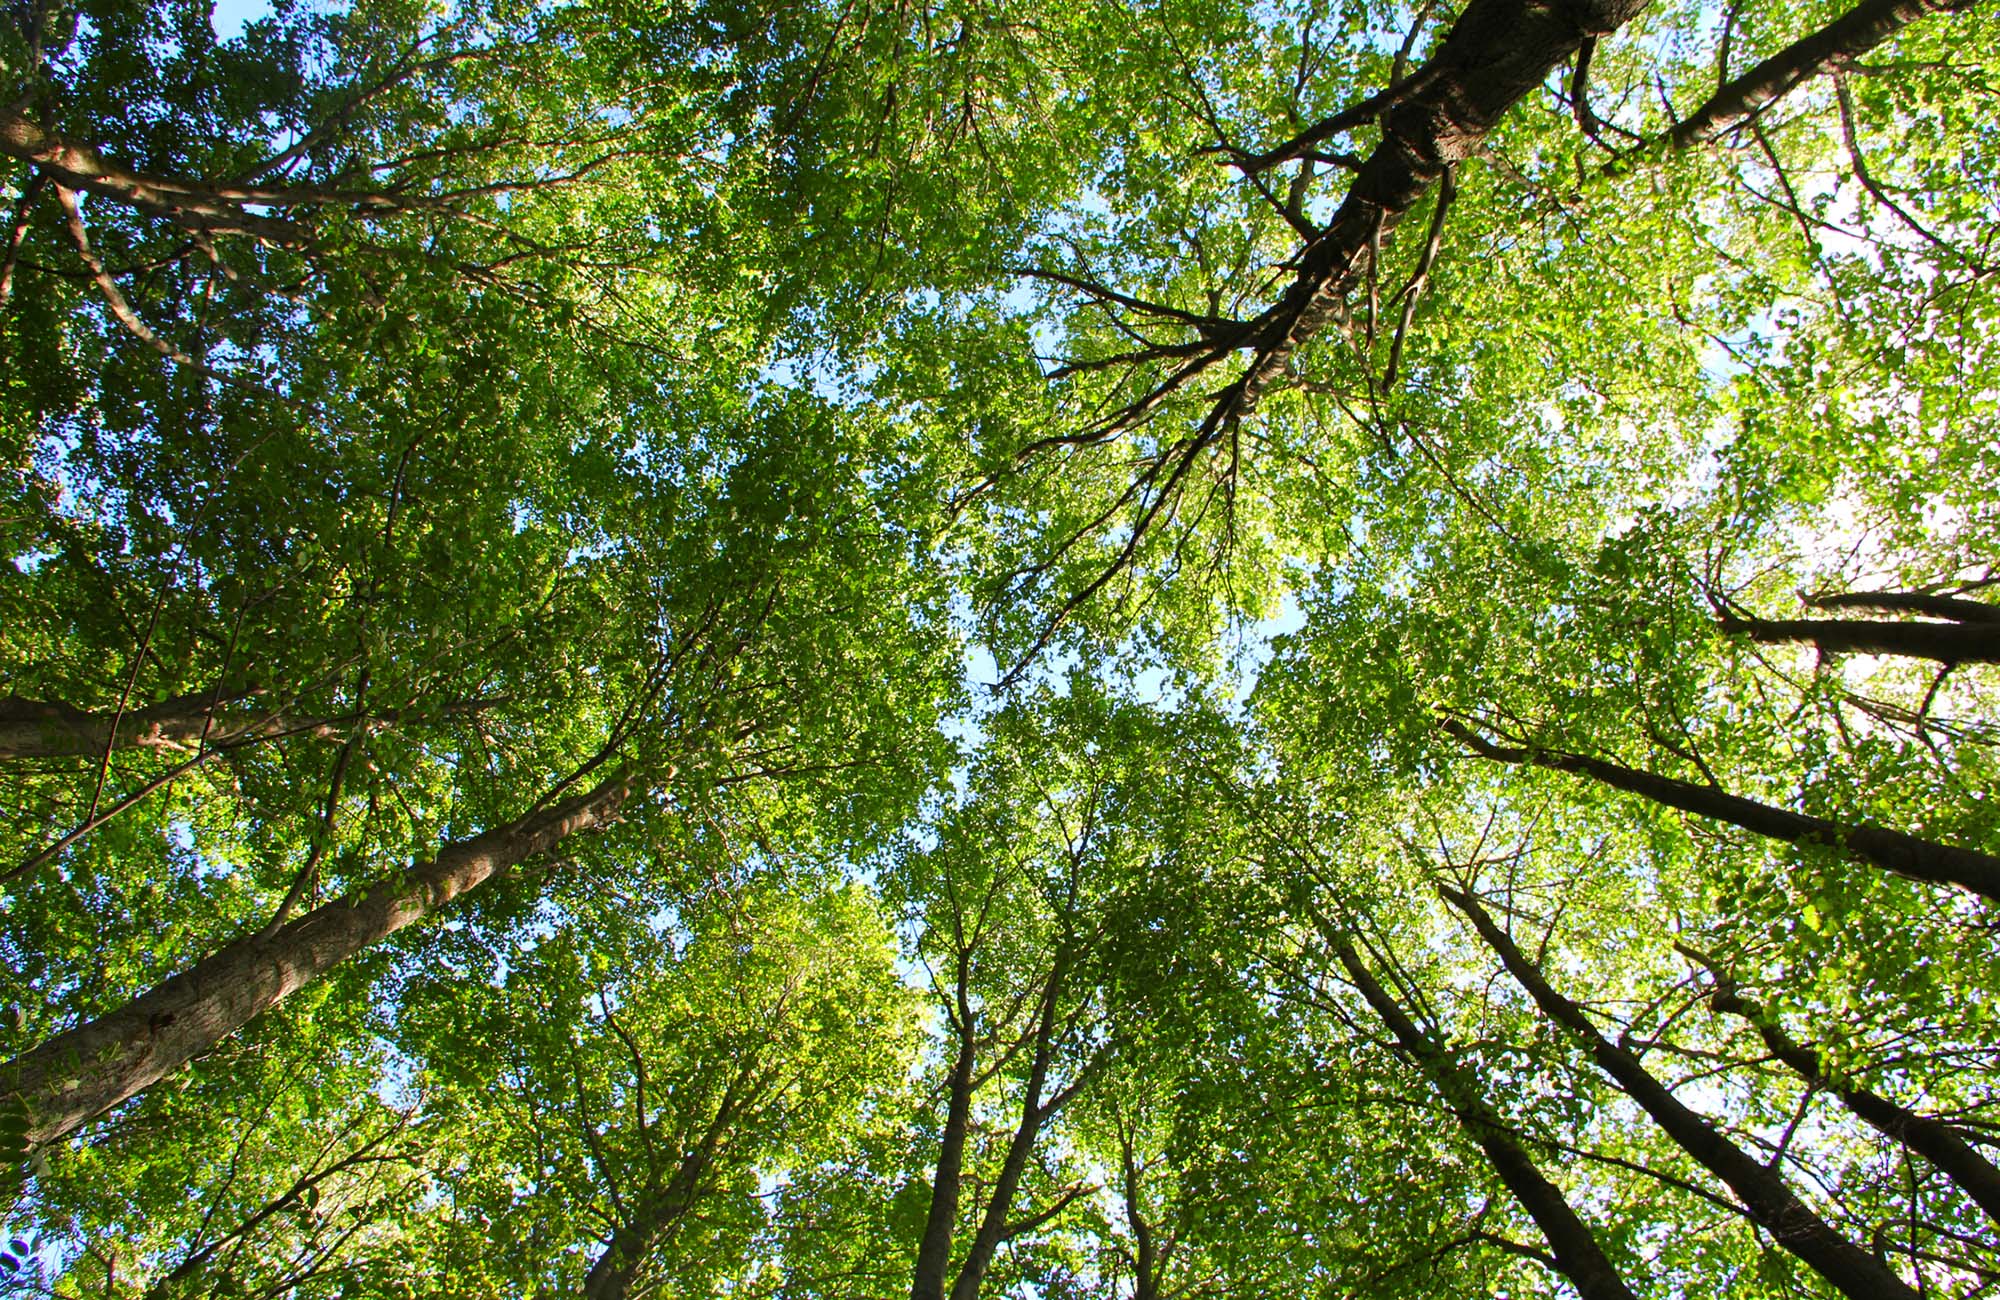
1956,608
611,1274
50,729
1947,643
1933,1139
1854,33
1495,54
1769,1201
934,1250
1574,1246
993,1224
1906,855
80,1073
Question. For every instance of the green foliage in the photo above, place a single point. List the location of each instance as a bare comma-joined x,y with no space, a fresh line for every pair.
1075,544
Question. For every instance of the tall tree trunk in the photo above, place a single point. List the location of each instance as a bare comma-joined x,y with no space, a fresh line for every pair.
1571,1241
934,1249
1854,33
1933,1139
1495,54
1906,855
661,1210
1956,608
51,729
611,1273
81,1073
1000,1203
1770,1202
1947,643
1146,1252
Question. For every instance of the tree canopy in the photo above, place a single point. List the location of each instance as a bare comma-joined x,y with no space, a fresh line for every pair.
987,648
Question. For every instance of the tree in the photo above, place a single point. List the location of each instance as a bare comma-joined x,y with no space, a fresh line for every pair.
1159,649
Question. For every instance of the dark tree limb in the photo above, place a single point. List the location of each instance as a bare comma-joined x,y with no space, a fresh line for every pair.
1933,1139
1956,608
1770,1201
1946,643
1903,854
1854,33
1575,1252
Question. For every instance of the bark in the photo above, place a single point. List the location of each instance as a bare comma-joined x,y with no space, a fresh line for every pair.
934,1250
51,729
1948,643
1903,854
1933,1139
1769,1201
81,1073
1146,1261
1495,54
1849,36
1574,1246
612,1272
195,206
1956,608
662,1208
1034,1114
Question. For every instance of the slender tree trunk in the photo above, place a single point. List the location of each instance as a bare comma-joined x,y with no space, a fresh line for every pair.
1770,1202
81,1073
1947,643
993,1224
1906,855
1854,33
1933,1139
934,1250
1574,1246
660,1212
1145,1252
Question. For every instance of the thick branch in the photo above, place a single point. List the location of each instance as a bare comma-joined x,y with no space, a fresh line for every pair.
1851,1270
52,729
1946,643
1847,37
1956,608
1906,855
1576,1252
81,1073
1933,1139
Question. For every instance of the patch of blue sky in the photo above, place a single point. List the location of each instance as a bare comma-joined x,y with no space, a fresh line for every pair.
231,18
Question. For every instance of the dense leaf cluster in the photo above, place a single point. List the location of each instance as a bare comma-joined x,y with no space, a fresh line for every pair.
1168,649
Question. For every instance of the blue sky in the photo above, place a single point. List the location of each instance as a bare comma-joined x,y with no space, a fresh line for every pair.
230,17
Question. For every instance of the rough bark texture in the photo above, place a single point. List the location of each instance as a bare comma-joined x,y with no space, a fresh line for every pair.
1947,643
85,1071
1769,1201
1854,33
51,729
1574,1246
212,208
1956,608
1496,53
1930,1138
1906,855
